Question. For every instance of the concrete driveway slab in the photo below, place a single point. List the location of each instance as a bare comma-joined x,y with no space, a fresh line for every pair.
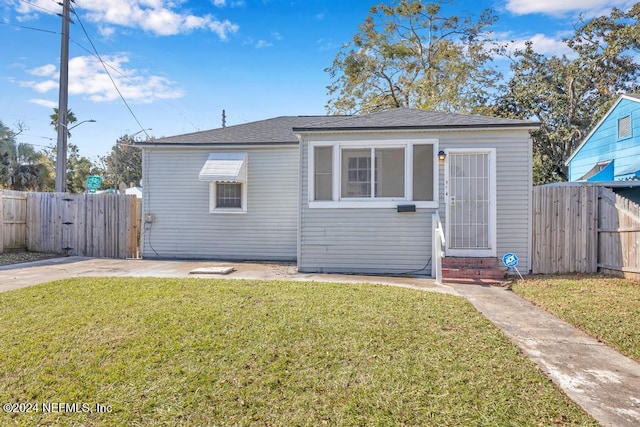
28,274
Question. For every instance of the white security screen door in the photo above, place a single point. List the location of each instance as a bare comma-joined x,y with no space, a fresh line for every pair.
470,196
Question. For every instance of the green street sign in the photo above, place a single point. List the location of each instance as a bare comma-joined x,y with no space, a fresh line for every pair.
92,191
94,182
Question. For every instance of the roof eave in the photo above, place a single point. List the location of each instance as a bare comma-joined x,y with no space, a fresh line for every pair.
215,144
533,125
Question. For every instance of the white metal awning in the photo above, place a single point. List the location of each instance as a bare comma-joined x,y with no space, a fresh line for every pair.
225,167
601,171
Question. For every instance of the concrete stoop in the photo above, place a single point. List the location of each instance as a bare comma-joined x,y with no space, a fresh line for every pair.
472,270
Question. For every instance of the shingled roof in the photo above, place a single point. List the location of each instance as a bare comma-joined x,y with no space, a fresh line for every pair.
278,130
283,130
411,118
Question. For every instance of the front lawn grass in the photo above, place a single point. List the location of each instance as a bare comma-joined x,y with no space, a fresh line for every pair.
607,308
224,352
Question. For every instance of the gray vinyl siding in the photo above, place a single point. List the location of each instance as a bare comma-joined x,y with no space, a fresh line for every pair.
185,229
365,240
359,240
513,187
385,241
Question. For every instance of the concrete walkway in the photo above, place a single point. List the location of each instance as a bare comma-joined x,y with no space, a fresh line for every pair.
603,382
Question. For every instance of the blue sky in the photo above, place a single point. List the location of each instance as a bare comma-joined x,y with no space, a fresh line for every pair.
179,63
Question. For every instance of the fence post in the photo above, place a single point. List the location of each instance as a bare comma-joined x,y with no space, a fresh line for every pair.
133,226
1,222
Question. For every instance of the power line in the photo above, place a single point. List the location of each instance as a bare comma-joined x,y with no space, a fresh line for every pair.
36,6
38,136
95,54
30,28
109,74
133,81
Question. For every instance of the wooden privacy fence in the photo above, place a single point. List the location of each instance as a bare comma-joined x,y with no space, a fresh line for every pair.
565,229
94,225
582,228
618,235
13,220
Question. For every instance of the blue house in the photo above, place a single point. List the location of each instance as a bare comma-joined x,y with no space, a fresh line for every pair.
611,151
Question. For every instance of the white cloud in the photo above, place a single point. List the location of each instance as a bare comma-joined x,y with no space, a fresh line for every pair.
541,44
160,17
224,3
29,7
45,70
324,44
262,44
106,31
87,78
44,103
41,87
562,7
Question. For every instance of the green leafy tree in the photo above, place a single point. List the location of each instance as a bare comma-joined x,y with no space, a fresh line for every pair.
78,169
21,166
124,164
568,94
408,54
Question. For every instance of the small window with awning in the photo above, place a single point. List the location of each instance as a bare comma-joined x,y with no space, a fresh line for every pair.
227,177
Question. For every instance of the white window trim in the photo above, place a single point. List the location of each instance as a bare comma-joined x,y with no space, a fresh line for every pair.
371,202
213,197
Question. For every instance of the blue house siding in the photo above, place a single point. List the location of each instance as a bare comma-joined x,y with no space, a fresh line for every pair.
603,144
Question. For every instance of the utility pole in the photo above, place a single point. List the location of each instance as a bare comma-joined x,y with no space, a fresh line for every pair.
63,99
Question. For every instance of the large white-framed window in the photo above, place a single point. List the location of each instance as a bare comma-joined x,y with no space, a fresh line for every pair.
365,174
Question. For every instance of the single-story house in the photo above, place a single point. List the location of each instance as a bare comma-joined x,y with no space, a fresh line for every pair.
354,194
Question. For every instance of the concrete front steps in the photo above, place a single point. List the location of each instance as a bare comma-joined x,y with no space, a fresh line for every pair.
482,271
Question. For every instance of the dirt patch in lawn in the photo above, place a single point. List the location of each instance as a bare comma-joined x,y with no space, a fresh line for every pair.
17,257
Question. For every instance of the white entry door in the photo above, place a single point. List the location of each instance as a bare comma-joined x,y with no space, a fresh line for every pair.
470,196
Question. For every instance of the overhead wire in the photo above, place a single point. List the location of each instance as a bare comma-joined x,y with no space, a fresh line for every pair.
95,54
109,74
30,28
37,6
123,75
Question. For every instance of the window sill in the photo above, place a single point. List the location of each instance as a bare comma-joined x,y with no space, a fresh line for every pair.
228,211
370,204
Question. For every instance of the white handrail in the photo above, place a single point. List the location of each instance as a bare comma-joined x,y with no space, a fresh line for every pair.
439,244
